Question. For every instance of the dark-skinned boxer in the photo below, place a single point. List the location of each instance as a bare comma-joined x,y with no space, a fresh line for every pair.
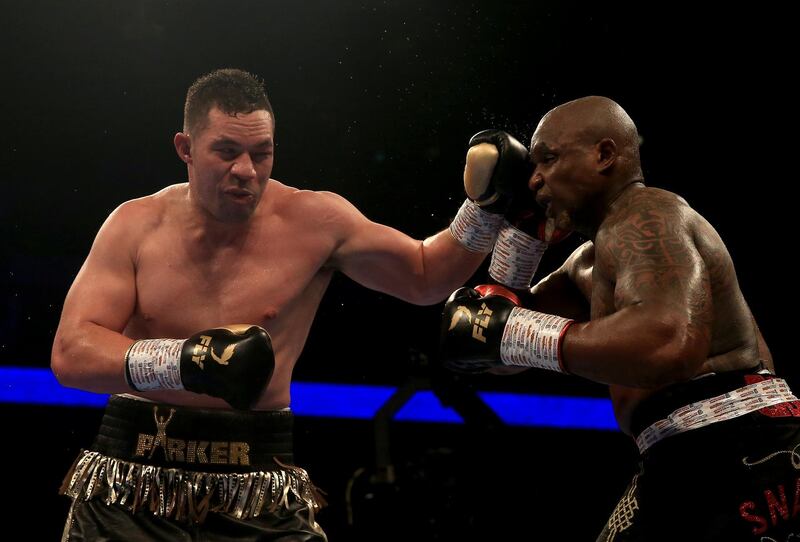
650,306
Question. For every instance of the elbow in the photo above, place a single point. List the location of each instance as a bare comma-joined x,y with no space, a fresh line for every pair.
60,364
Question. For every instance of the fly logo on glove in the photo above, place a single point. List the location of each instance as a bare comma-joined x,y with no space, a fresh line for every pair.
153,364
481,323
200,350
461,312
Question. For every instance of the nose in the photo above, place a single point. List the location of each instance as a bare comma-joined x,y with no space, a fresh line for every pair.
243,167
536,182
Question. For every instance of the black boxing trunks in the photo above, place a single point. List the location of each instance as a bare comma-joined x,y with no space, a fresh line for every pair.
720,460
193,466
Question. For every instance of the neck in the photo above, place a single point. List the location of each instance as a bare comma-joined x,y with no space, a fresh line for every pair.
623,189
206,230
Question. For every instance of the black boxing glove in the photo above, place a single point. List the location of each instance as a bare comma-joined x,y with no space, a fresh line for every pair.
484,328
498,167
234,363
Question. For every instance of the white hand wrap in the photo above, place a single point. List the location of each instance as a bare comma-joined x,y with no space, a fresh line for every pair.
475,228
155,364
516,257
533,339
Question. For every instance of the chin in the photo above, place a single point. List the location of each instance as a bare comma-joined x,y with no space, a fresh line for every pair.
237,216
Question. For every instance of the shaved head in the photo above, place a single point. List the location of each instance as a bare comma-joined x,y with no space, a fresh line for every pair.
587,121
585,153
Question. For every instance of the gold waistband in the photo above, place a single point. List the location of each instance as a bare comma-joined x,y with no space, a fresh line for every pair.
187,495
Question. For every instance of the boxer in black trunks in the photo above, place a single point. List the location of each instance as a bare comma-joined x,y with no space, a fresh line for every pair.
197,439
651,306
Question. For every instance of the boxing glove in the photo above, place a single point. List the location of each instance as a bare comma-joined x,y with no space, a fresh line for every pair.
484,328
234,363
497,168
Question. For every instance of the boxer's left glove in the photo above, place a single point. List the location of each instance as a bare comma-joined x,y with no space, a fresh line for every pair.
234,363
521,242
484,328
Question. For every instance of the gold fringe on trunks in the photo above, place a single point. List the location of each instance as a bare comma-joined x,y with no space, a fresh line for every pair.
187,495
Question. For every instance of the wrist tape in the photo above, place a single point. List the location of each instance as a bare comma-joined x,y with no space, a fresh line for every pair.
475,228
515,257
533,339
154,364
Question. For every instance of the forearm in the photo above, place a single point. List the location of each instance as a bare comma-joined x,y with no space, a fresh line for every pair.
90,357
446,265
633,348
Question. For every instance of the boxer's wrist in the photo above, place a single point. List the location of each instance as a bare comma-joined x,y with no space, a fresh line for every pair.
154,364
534,339
515,257
475,228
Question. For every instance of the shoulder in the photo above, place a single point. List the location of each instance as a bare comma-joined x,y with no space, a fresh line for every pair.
320,208
646,212
649,199
139,216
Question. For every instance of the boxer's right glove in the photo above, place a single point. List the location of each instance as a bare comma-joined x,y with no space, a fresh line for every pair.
497,168
234,363
484,327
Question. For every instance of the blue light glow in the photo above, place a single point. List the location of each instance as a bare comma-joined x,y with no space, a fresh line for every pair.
39,386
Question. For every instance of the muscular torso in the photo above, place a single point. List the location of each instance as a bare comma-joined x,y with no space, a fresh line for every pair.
671,228
275,277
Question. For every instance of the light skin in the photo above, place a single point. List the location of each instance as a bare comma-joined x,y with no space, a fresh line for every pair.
654,290
233,246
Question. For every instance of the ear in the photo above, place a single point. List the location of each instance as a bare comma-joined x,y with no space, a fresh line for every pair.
606,154
183,146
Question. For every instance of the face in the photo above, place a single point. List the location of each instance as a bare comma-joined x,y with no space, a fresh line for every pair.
230,162
563,181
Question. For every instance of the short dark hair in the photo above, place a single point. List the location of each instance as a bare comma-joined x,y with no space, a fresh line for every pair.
231,90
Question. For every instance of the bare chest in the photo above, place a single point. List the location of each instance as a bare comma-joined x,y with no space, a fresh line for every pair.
183,289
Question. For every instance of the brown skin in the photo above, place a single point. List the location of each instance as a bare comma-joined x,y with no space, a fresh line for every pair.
655,278
233,246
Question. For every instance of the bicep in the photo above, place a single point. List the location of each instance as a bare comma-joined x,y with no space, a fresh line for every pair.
656,268
377,256
387,260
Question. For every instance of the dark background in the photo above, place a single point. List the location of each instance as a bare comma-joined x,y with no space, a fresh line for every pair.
376,101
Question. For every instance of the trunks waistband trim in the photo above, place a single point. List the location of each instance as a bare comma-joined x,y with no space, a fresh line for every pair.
187,495
729,405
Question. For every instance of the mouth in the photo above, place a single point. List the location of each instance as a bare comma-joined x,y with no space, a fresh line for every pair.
239,195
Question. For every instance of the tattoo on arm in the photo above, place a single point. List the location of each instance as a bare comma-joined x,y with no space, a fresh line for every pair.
651,256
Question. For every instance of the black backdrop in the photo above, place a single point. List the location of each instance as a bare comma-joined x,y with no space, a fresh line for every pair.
376,101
